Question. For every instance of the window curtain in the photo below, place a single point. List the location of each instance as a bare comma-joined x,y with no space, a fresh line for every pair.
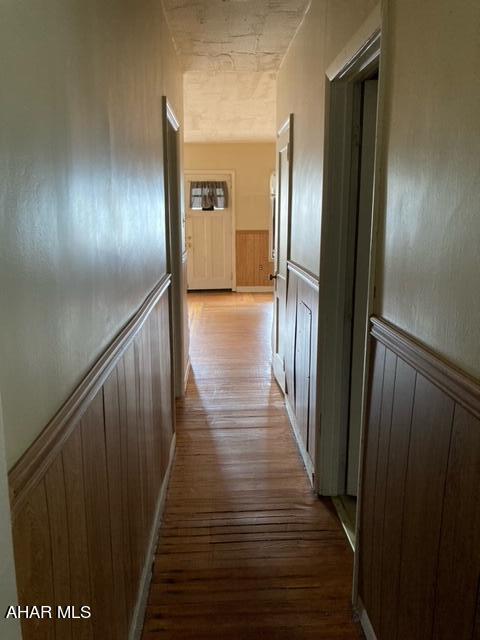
205,195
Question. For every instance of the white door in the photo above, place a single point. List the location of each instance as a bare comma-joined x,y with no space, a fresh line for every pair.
209,244
282,249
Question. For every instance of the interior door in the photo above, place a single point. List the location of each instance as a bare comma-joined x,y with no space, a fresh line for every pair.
209,246
360,293
282,247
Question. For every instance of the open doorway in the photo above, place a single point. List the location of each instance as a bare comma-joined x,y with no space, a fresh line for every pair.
174,238
352,99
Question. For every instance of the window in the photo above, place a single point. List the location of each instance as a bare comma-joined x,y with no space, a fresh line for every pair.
208,196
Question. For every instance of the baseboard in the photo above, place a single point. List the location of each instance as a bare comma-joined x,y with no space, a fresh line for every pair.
365,621
138,617
254,289
301,447
347,525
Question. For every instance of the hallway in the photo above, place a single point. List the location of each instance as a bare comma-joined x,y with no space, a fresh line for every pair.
246,550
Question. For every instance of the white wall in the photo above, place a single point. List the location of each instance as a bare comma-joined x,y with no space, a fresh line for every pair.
429,264
301,90
428,276
82,198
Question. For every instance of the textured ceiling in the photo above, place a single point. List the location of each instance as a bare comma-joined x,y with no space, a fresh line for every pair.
229,106
230,51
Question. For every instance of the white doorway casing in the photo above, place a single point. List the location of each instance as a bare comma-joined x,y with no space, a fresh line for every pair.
361,54
354,64
210,237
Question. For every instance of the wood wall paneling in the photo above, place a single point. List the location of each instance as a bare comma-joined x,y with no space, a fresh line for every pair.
83,518
97,508
80,587
60,542
302,369
424,489
381,475
253,264
459,557
395,483
369,475
301,355
135,495
419,546
121,552
167,407
33,554
289,338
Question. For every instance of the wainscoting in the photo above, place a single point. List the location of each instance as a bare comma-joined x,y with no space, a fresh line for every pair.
252,260
419,557
301,359
86,496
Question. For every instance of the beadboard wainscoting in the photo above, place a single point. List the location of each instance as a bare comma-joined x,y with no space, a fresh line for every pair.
254,266
419,554
301,359
87,496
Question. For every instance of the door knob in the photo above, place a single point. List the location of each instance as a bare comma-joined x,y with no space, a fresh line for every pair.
272,277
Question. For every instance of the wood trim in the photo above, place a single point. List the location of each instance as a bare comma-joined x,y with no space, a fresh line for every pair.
304,274
138,617
307,462
170,113
455,383
32,466
363,59
357,43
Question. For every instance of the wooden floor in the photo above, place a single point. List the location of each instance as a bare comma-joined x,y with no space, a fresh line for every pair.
246,551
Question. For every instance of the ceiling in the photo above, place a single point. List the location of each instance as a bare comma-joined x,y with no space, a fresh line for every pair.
230,51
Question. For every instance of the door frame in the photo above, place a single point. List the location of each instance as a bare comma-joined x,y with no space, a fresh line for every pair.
210,175
174,242
356,62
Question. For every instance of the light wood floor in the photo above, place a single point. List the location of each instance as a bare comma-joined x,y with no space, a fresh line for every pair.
246,551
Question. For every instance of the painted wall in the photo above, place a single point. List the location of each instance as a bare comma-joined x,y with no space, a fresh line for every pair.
81,202
301,90
253,164
429,265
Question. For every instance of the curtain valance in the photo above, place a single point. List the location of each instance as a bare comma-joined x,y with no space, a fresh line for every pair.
208,195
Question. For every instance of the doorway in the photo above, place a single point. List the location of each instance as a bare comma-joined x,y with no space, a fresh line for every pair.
281,247
346,273
174,238
209,231
366,95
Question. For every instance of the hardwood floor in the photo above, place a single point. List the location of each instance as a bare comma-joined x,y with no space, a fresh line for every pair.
246,551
